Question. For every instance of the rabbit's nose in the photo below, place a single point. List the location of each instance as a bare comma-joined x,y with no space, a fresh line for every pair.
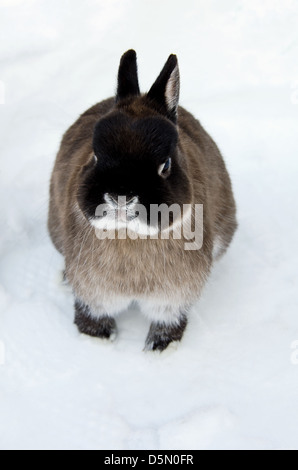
118,201
112,198
121,201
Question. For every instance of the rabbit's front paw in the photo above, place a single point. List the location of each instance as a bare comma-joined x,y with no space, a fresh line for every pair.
102,327
161,335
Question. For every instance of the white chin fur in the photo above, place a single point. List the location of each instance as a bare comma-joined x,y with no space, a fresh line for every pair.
115,216
121,215
111,224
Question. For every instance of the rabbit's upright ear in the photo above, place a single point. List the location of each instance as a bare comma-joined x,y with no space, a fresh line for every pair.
165,91
128,83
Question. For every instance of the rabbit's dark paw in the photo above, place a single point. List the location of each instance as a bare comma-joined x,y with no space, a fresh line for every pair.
102,327
161,335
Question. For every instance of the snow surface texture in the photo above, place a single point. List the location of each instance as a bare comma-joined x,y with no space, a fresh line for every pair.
233,382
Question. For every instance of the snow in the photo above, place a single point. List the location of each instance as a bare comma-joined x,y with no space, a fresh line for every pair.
232,382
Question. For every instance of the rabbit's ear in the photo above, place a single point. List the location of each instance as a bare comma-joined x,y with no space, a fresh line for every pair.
128,83
165,91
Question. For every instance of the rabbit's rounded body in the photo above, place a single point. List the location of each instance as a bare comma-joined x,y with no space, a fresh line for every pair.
165,278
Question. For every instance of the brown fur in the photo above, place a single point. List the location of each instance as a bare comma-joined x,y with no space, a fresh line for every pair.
142,267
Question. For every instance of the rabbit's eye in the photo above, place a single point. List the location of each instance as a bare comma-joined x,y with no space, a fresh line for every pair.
95,159
165,167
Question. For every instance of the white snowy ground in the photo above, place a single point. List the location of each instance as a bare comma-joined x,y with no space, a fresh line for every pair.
231,383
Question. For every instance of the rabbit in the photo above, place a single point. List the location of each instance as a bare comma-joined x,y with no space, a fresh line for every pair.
128,152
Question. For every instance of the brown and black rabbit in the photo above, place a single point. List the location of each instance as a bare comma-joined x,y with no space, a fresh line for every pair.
126,153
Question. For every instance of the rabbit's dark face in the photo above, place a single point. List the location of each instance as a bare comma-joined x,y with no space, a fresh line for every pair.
137,161
137,165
